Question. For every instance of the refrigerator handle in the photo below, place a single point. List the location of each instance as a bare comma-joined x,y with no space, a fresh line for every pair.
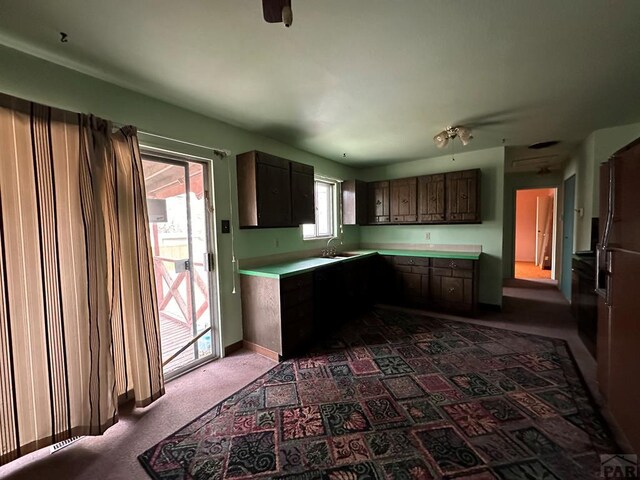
611,204
608,298
602,255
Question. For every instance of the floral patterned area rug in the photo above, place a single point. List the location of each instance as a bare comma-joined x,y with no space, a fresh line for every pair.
400,396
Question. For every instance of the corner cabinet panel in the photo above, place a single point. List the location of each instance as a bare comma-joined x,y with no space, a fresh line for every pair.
302,194
431,199
277,315
378,201
403,200
354,202
463,196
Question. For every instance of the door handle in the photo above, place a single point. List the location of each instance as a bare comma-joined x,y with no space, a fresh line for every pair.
208,262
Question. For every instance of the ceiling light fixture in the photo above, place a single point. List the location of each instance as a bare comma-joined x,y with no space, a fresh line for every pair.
463,133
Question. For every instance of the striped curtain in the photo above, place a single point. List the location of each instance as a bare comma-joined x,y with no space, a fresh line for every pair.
78,324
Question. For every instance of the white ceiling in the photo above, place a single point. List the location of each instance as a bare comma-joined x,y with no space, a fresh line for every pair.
374,79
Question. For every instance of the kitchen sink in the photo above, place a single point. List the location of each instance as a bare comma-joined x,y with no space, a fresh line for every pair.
340,255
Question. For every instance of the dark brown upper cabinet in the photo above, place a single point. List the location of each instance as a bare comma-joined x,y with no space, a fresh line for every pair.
378,202
431,199
265,196
463,196
403,200
302,194
354,202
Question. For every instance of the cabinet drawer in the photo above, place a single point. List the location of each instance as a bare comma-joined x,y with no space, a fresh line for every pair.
421,270
453,263
456,272
412,261
441,272
297,281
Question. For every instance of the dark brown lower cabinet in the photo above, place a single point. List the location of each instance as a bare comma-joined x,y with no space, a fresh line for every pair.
412,275
449,285
281,317
277,314
454,284
584,301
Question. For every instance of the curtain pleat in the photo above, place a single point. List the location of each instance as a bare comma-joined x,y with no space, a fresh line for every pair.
143,362
78,323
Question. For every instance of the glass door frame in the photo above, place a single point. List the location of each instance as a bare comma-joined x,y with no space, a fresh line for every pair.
182,160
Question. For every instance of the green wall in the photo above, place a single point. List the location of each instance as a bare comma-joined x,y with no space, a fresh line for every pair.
585,164
35,79
488,233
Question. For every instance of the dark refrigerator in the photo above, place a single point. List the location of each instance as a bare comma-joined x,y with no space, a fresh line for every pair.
618,289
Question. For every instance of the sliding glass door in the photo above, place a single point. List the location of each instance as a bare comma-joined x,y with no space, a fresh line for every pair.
179,221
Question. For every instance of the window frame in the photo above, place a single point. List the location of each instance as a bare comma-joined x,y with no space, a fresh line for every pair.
334,210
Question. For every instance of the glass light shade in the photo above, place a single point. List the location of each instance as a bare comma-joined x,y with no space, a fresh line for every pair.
464,134
441,140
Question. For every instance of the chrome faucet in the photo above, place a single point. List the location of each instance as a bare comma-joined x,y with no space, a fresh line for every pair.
330,251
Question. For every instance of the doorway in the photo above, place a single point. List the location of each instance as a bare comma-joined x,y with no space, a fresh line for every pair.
182,245
535,234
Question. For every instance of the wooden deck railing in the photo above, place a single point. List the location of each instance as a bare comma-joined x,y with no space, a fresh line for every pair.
172,290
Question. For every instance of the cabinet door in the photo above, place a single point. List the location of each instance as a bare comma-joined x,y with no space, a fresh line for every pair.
378,202
403,200
354,202
302,194
274,194
452,289
431,199
361,202
463,196
329,292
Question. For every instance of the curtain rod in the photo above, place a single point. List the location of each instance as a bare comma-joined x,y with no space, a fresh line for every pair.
218,151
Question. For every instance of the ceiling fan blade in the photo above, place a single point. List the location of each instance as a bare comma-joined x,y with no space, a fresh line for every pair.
272,10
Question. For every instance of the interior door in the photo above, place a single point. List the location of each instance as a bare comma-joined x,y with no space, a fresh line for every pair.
544,220
179,222
567,234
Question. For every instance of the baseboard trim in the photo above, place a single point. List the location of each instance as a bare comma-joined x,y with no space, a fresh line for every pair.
265,352
490,307
234,347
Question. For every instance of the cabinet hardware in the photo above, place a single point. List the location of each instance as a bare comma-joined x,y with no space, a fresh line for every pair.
463,196
378,202
452,290
453,264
